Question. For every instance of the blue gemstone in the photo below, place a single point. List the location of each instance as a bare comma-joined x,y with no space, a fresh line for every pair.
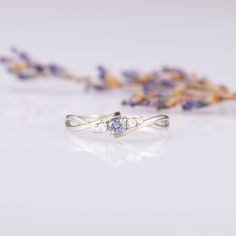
116,126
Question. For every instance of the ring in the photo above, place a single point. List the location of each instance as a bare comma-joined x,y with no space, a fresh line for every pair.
115,124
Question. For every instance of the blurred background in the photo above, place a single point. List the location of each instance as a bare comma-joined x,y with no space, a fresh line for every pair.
55,184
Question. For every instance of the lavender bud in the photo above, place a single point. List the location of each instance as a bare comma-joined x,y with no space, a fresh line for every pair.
99,87
168,83
102,72
131,75
55,69
24,76
189,105
146,102
200,104
22,55
39,68
160,103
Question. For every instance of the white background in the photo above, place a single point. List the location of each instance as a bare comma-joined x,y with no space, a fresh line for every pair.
52,183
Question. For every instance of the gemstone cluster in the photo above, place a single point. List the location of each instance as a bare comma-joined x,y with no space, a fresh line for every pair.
118,125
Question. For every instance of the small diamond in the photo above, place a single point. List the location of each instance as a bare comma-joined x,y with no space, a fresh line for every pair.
131,123
100,128
140,120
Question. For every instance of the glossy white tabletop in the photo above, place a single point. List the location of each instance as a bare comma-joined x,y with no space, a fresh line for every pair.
52,182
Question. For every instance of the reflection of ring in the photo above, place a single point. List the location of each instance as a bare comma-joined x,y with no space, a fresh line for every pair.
115,124
117,153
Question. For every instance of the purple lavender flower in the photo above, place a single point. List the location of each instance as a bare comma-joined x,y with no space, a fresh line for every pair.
150,86
160,103
131,75
146,102
102,72
22,55
39,68
160,88
189,105
55,69
168,83
25,75
181,72
131,102
167,69
99,87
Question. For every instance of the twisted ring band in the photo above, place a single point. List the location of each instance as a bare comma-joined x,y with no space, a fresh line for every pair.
115,124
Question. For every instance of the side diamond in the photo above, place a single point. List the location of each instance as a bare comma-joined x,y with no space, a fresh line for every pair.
100,128
131,123
140,120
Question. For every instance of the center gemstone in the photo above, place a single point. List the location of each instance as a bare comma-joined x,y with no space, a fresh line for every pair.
116,126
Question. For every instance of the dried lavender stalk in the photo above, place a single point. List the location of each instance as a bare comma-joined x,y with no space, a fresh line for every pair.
163,88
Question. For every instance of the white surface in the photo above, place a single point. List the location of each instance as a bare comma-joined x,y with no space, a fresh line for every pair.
55,184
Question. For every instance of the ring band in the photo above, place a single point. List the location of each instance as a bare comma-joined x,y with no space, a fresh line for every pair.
115,124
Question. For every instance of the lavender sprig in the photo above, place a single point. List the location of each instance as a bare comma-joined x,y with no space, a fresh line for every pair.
162,89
